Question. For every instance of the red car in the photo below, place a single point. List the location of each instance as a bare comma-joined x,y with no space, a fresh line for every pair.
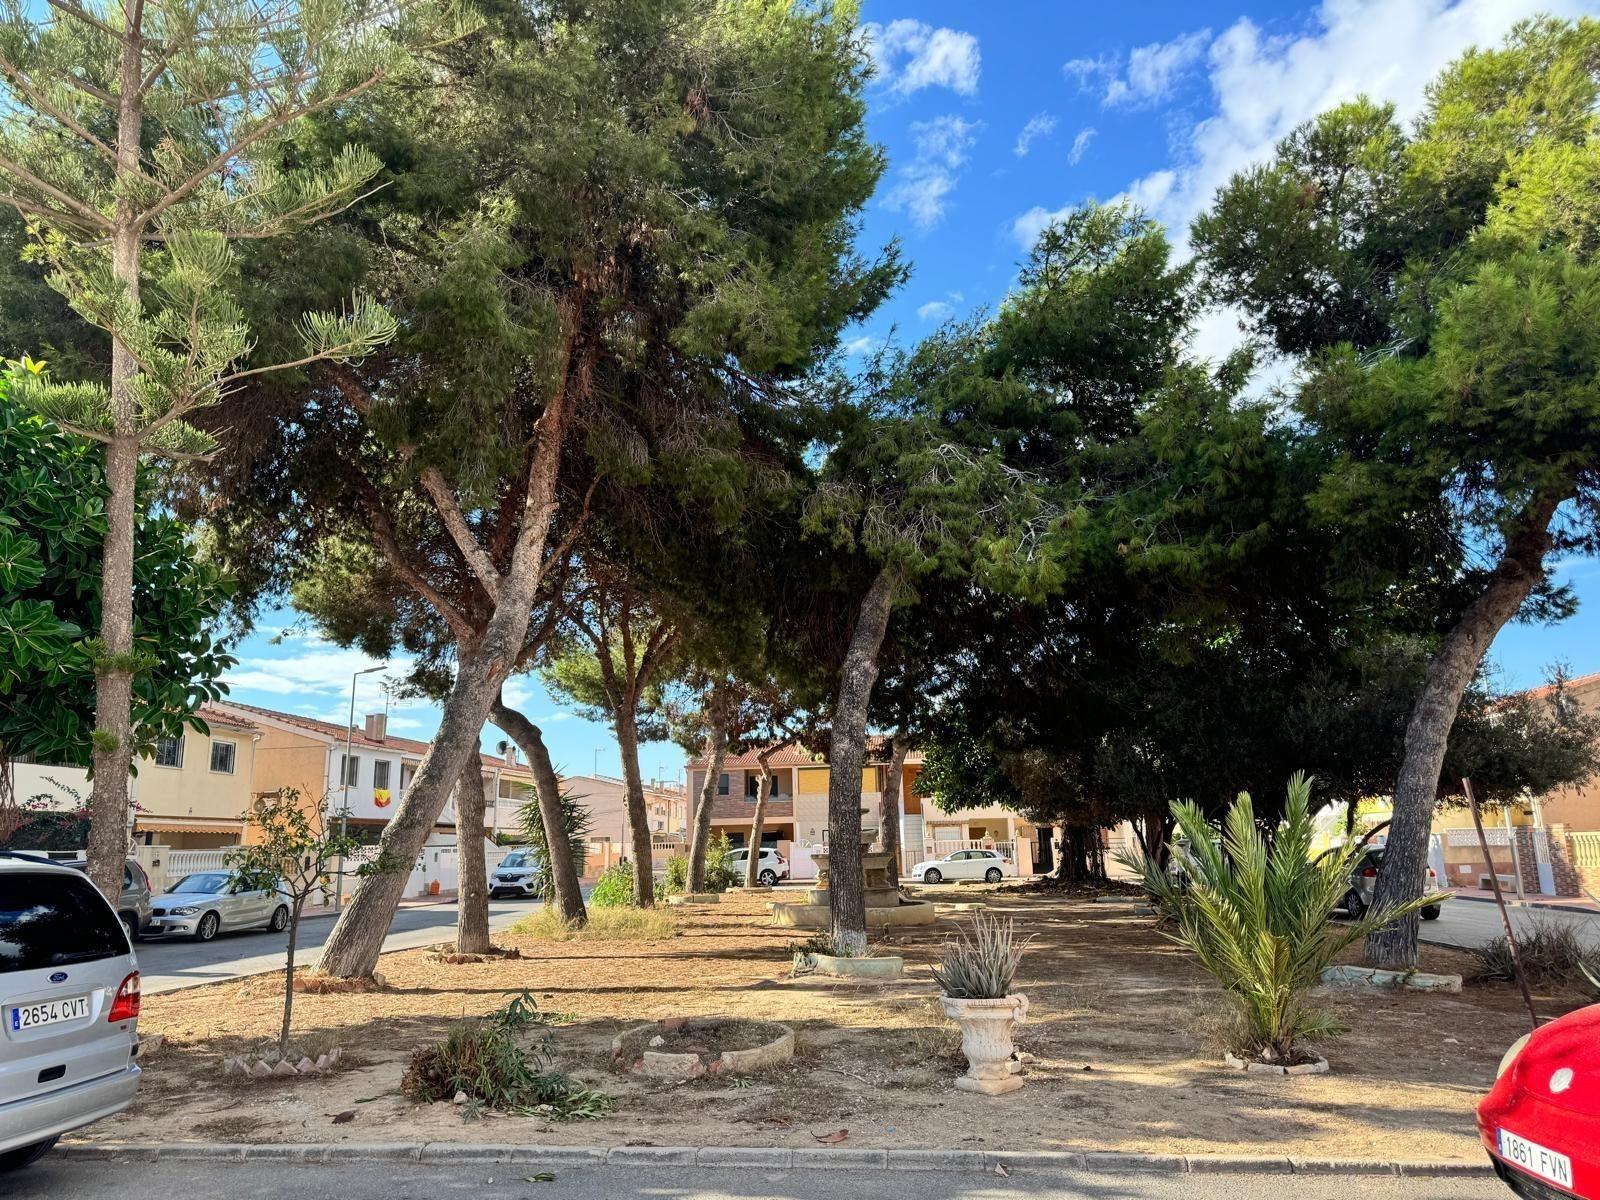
1541,1121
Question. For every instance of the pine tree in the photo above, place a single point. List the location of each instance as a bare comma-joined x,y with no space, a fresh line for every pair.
141,139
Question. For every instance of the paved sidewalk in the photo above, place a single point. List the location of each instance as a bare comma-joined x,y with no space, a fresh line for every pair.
1559,903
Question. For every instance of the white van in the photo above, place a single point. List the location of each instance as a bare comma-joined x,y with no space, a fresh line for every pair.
69,1007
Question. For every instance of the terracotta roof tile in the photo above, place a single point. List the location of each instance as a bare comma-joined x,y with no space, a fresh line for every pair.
799,756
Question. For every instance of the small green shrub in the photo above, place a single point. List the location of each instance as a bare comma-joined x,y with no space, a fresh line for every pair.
677,881
486,1059
720,873
982,966
613,889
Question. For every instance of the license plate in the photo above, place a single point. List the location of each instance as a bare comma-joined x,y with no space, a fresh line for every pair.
49,1012
1535,1159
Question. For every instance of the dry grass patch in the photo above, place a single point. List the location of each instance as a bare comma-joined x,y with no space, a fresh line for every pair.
604,924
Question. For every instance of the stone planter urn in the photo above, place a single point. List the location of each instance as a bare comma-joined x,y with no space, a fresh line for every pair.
986,1025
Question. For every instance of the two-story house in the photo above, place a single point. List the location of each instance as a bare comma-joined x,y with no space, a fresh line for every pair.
797,812
194,791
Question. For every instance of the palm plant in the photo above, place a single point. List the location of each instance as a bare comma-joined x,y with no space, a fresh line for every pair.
1255,908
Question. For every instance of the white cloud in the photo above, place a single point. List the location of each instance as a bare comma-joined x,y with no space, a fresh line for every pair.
938,310
922,185
1154,70
857,346
1147,195
1039,126
1091,74
321,669
1080,145
911,55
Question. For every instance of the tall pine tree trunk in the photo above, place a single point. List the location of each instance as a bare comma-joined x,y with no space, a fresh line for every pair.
847,901
564,878
758,819
890,808
1450,670
472,875
353,947
700,831
644,877
113,691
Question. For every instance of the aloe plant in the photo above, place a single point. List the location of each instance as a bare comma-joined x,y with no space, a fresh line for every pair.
1255,909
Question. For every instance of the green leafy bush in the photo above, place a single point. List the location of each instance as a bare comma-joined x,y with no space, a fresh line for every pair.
1257,914
676,882
613,888
486,1058
721,874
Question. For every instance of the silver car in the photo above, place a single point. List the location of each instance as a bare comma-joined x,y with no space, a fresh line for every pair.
1364,886
206,903
69,1007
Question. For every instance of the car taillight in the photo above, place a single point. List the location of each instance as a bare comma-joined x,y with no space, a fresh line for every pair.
1007,861
1369,873
1431,875
126,1006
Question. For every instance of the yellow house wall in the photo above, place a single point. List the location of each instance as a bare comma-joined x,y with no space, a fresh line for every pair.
194,789
289,760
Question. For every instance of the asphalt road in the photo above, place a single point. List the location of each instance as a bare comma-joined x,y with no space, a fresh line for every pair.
1472,922
60,1178
169,963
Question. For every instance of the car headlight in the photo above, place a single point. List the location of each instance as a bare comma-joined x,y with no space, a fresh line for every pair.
184,912
1510,1055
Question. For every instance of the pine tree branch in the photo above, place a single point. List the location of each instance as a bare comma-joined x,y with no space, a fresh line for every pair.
268,126
16,79
88,18
455,523
33,208
93,217
384,536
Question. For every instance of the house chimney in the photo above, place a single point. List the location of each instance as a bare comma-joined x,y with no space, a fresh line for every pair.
377,725
511,755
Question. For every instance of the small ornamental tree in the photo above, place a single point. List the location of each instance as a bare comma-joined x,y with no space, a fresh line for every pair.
299,848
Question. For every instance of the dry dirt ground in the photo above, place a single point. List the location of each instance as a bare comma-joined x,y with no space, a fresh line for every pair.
1122,1060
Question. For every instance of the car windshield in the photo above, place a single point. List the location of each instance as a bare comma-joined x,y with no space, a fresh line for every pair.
210,883
518,858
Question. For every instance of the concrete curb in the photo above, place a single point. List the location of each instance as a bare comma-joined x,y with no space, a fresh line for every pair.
1534,906
767,1158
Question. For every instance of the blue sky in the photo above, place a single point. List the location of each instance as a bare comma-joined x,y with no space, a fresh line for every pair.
996,116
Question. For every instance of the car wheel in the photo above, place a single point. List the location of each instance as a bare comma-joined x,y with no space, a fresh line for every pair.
494,893
131,926
13,1160
931,875
1431,913
1354,906
993,875
768,877
280,919
207,929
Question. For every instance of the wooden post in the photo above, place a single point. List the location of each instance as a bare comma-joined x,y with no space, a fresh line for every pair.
1500,903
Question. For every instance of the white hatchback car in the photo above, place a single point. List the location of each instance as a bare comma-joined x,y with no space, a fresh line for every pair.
770,868
69,1006
988,865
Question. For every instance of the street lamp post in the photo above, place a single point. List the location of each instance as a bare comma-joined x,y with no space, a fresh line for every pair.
344,771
